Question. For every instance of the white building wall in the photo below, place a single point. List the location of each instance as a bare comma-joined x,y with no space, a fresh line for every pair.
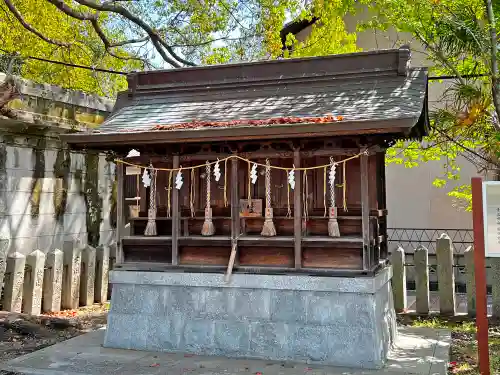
412,200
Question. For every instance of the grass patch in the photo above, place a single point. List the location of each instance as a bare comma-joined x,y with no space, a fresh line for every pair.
465,326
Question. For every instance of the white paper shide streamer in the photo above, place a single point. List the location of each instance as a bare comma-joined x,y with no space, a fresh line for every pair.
146,179
291,179
178,180
217,173
333,225
253,173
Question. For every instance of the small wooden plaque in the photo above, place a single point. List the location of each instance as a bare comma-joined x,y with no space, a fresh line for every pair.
251,209
134,210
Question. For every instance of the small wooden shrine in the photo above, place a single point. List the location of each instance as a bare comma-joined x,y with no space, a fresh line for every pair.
267,168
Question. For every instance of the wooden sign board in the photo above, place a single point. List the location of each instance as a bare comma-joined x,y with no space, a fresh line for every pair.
251,209
131,171
491,214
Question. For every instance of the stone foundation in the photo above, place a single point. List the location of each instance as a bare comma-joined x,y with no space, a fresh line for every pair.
328,320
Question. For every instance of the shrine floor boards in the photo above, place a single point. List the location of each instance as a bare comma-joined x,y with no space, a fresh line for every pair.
419,351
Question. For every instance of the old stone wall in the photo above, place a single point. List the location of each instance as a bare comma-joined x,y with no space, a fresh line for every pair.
49,195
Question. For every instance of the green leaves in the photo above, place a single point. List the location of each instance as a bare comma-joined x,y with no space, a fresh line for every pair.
328,35
85,49
454,34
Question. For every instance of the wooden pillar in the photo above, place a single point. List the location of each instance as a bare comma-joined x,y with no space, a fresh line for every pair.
175,216
235,207
382,204
365,210
120,210
297,211
480,273
143,191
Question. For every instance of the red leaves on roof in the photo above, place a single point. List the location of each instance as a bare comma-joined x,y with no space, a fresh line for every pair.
196,124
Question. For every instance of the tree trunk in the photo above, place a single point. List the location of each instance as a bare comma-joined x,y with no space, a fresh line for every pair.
495,84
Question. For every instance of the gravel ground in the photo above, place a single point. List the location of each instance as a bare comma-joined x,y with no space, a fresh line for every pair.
22,334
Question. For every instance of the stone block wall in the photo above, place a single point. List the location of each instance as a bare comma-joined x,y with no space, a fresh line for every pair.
338,321
50,197
30,179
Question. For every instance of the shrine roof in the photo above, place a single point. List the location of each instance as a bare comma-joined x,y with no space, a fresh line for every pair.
359,93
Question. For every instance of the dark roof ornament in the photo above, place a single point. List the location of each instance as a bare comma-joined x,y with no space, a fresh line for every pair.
404,60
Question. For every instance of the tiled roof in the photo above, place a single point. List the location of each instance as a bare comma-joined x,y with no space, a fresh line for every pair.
363,93
374,98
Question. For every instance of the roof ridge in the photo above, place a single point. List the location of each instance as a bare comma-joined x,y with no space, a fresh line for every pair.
391,61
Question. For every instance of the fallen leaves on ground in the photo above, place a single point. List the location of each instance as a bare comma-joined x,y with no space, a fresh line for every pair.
86,310
22,334
64,313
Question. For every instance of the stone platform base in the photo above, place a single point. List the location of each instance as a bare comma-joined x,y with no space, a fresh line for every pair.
329,320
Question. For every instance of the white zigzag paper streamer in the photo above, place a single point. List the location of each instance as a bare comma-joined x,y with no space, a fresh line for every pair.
146,178
217,173
291,179
253,173
178,180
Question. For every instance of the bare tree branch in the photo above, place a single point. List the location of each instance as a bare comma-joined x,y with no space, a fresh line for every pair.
30,28
175,60
62,6
233,16
109,6
130,41
207,42
94,20
109,45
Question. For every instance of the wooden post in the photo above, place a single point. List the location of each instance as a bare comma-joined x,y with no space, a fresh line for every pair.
143,193
175,216
120,211
480,271
365,211
382,203
235,208
297,211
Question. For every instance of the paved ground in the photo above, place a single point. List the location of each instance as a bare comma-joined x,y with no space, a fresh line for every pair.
420,351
